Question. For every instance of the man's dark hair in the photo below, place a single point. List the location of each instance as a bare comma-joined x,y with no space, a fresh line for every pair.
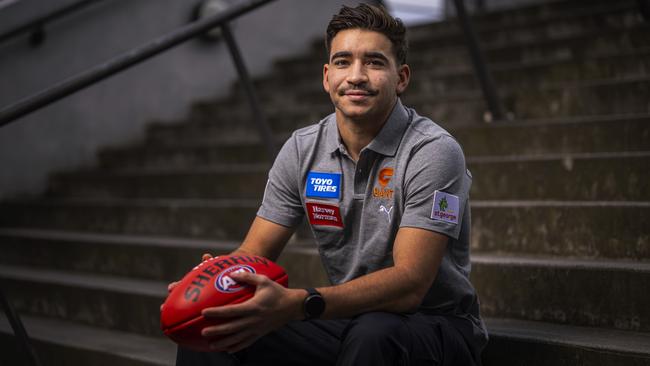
373,18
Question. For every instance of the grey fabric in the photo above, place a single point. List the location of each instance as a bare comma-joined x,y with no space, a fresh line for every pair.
424,158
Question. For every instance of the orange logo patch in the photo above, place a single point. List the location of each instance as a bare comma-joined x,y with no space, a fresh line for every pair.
383,178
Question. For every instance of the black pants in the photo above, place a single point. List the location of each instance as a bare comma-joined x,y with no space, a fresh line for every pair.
370,339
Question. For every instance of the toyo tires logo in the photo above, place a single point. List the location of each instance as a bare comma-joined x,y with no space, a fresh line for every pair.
226,284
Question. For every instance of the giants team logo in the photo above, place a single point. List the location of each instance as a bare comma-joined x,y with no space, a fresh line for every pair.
226,284
383,178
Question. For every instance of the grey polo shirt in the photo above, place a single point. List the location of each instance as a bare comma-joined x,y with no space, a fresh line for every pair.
412,174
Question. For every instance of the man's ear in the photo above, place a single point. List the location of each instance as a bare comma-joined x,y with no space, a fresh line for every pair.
404,74
326,84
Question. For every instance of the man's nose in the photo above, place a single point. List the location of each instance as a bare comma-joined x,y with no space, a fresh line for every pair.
357,74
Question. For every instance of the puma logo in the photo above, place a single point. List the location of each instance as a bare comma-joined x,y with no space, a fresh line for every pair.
383,208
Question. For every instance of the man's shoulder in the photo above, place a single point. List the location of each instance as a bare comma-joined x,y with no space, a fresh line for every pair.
424,131
313,129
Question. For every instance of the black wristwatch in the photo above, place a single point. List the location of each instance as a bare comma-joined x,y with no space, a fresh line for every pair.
314,304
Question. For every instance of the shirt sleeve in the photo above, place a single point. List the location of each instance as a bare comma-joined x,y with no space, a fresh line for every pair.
281,203
436,187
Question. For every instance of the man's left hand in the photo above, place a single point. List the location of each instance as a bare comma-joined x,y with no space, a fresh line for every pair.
270,308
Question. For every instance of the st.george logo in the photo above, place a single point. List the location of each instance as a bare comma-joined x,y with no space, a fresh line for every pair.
226,284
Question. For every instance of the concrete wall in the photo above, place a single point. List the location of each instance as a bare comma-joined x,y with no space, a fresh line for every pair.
66,135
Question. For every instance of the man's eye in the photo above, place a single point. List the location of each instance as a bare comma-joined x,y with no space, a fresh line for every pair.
340,62
376,62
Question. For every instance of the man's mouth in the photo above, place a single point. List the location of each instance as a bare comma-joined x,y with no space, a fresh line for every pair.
357,93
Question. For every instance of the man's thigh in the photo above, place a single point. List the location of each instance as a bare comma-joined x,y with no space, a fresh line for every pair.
311,343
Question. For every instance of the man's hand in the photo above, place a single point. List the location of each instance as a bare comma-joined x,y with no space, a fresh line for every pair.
270,308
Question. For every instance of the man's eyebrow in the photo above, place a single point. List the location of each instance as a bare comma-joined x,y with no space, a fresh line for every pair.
341,54
378,55
370,54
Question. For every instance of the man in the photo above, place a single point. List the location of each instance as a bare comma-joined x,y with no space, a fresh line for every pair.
386,194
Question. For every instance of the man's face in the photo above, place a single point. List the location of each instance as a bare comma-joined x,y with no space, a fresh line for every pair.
362,76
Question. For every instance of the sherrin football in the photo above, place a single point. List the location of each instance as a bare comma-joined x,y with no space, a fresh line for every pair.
209,285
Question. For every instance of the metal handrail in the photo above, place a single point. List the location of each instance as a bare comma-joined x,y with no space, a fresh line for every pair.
478,61
19,330
38,23
139,54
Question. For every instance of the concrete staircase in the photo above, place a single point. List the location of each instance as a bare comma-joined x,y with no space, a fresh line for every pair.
560,202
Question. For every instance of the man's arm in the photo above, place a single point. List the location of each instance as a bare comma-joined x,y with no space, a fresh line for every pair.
265,238
417,254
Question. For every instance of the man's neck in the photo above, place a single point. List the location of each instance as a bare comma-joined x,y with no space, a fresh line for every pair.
357,134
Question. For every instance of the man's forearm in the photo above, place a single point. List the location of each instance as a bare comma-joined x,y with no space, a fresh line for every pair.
391,289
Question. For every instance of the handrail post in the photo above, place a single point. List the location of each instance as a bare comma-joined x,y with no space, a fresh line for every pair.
258,115
19,330
478,61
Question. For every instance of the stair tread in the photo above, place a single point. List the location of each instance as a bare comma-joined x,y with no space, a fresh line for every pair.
561,262
574,336
86,280
156,350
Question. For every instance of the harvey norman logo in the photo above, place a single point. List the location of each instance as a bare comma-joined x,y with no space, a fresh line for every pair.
445,207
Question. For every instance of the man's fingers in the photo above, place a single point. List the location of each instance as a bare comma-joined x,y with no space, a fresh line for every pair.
231,311
171,286
233,326
206,256
248,278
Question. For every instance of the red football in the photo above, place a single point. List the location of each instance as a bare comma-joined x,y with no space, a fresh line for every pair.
209,285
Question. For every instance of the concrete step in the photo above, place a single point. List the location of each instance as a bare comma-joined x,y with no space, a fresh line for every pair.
214,219
598,97
440,80
148,257
61,343
597,43
581,229
118,303
523,15
527,343
184,145
193,183
575,177
581,292
568,228
604,176
588,134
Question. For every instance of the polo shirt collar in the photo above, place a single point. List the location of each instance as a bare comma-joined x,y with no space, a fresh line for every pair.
387,140
389,137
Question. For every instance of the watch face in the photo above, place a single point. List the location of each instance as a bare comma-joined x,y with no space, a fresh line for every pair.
314,306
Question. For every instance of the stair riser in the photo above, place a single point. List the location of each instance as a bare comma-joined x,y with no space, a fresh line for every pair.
564,295
586,232
432,81
522,139
137,261
609,232
609,179
433,56
502,350
157,220
107,309
620,98
52,354
182,158
207,186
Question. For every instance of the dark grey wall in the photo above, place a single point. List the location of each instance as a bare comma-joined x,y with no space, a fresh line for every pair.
67,134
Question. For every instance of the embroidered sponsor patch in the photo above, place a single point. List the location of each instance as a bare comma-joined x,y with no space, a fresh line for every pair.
445,207
323,185
323,214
